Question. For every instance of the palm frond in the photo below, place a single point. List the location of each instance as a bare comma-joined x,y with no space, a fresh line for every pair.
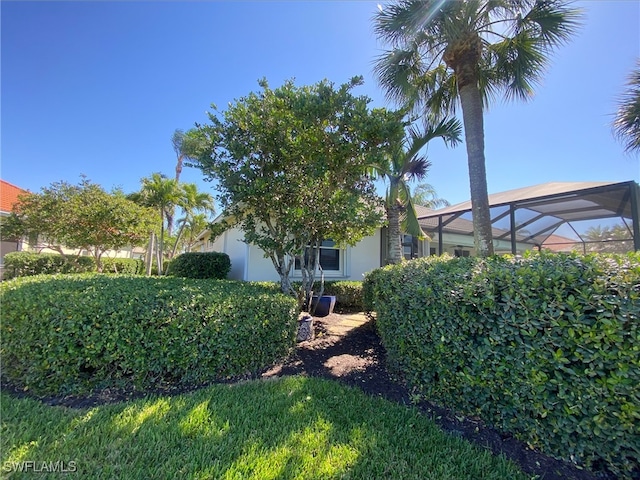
626,125
416,168
396,71
553,22
518,65
399,22
409,219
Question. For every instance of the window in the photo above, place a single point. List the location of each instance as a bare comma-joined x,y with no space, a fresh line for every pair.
410,247
330,257
461,253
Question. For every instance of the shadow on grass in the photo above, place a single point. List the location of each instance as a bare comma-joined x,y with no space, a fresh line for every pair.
292,427
358,359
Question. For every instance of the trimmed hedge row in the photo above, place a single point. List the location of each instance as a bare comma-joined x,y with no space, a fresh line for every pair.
74,333
127,266
24,264
348,294
200,265
546,347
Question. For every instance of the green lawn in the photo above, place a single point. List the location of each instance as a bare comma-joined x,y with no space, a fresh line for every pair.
293,427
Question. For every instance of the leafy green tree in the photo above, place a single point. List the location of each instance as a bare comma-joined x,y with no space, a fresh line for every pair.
406,164
468,51
627,120
192,201
290,166
425,194
82,216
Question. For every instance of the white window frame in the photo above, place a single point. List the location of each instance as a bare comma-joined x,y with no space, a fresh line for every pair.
342,271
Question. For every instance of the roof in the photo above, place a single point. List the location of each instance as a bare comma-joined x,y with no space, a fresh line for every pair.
521,194
9,195
541,210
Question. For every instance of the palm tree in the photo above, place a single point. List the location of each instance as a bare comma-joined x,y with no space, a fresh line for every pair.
185,145
425,194
627,121
405,165
469,50
191,227
164,194
191,202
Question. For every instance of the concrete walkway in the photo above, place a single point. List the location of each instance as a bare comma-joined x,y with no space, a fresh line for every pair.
346,324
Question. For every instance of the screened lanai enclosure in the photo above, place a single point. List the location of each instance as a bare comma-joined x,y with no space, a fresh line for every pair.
557,216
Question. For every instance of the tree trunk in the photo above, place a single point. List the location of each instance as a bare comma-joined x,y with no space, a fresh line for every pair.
175,245
472,115
148,258
172,210
161,243
393,234
308,266
283,267
98,260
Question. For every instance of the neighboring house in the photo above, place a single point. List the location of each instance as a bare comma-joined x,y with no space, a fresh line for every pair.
8,197
558,243
522,219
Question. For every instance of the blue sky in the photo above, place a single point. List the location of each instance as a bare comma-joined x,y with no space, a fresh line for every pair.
98,88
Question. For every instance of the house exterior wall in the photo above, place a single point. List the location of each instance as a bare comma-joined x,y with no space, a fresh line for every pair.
364,256
249,263
232,243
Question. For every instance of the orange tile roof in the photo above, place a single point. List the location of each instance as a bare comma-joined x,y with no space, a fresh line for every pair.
8,195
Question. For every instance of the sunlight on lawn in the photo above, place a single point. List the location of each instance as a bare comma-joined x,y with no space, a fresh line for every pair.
294,427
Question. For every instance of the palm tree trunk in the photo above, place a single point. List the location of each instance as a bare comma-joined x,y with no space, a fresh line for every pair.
149,255
473,119
161,242
393,233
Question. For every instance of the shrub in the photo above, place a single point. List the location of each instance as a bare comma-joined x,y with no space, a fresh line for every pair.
24,264
546,347
129,266
369,288
348,294
77,332
200,265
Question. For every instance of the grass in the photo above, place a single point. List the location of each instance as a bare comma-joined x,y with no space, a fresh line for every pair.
294,427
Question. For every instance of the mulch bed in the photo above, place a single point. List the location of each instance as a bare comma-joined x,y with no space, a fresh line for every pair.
358,360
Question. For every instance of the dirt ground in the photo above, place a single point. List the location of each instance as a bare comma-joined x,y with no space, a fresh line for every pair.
358,359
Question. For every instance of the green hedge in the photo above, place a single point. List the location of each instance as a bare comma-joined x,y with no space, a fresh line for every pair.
24,264
129,266
77,332
546,347
200,265
348,294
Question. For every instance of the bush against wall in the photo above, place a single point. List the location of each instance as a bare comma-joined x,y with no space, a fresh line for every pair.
200,265
23,264
546,347
78,332
348,294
